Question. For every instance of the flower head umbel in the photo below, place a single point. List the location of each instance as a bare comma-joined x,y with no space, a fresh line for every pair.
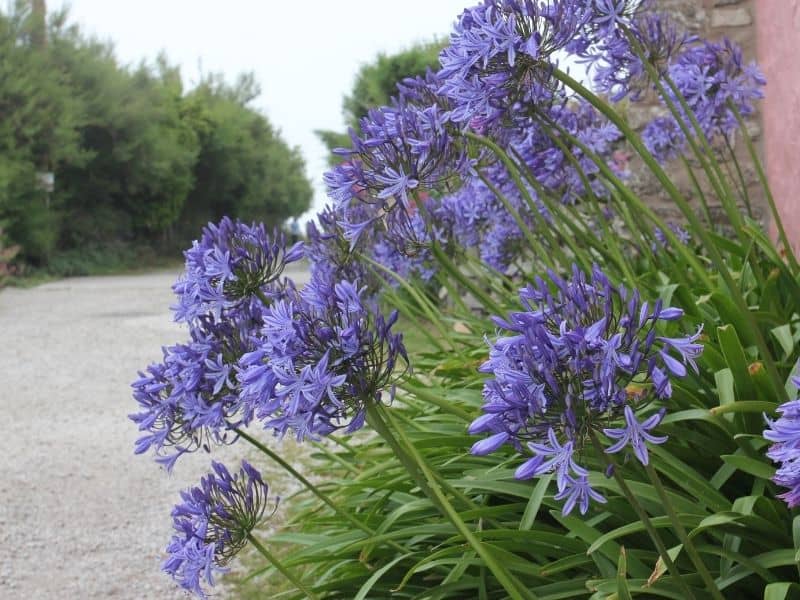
324,354
212,524
231,262
784,433
713,77
500,55
619,52
401,151
190,400
566,372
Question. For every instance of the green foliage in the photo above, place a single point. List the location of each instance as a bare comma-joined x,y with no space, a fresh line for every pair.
240,155
375,85
376,82
132,152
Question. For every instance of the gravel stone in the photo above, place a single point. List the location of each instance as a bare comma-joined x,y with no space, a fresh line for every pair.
81,517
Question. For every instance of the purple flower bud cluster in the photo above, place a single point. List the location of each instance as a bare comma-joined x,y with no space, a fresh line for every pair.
232,261
323,354
212,523
784,433
582,355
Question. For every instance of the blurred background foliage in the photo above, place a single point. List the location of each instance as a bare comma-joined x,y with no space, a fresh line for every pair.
139,161
375,84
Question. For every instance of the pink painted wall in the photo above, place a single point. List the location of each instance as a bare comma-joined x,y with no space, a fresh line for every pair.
778,24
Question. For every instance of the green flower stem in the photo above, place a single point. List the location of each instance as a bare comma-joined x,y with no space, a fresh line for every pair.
535,244
762,177
617,255
660,174
314,489
421,301
699,191
280,567
688,260
643,517
680,201
680,530
706,156
555,205
408,453
627,196
739,174
449,266
433,399
513,171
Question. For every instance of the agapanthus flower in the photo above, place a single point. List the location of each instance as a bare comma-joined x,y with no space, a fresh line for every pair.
784,433
190,400
711,77
231,262
212,524
565,371
617,67
500,55
401,151
325,354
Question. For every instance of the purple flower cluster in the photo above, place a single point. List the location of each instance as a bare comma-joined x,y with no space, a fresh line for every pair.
401,152
547,162
212,524
710,77
582,355
190,400
323,354
232,261
632,38
784,433
499,56
713,76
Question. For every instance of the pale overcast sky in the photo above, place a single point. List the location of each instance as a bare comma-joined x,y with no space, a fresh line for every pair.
305,53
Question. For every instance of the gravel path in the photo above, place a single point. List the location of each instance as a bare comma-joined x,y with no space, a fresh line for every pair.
80,516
